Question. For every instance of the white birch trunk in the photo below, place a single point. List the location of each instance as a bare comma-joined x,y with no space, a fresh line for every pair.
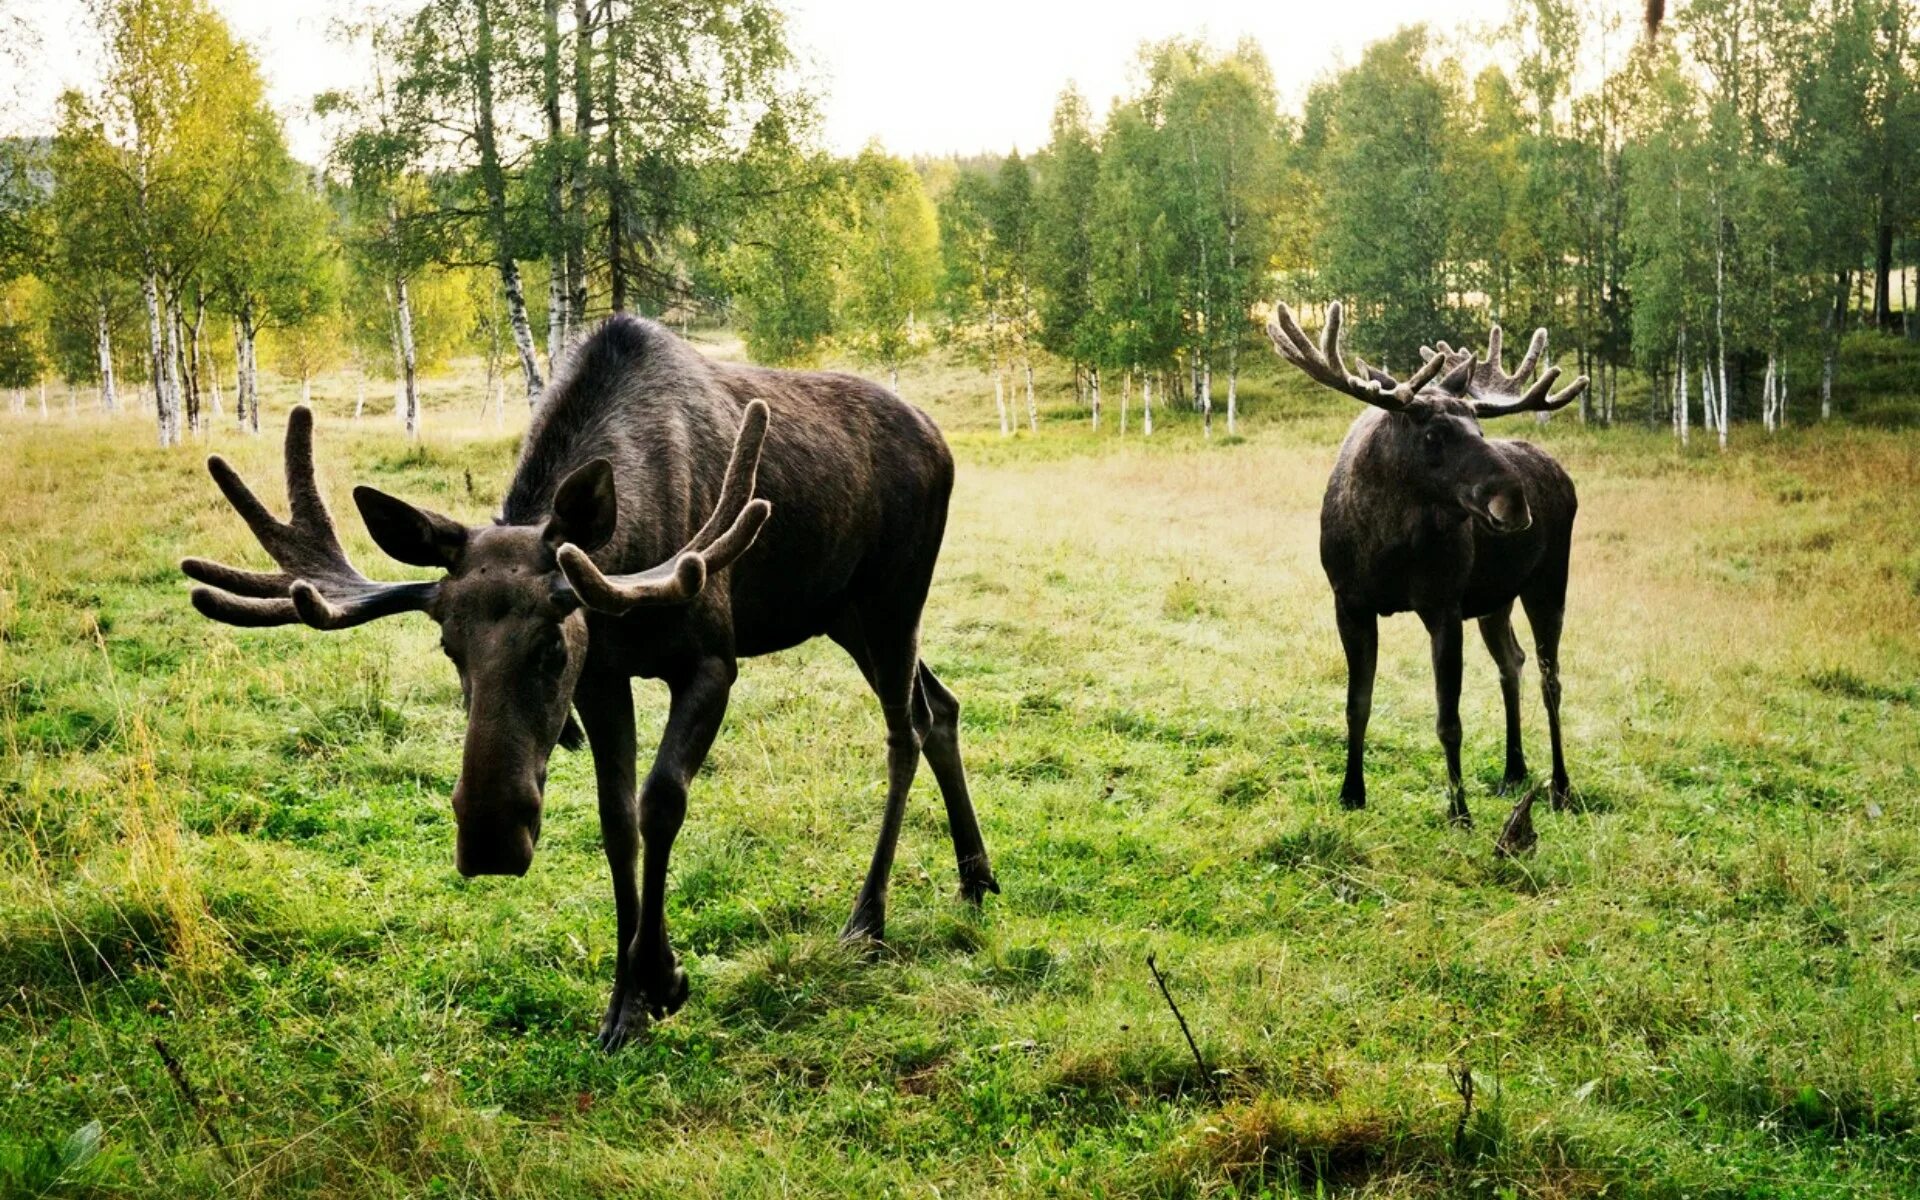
1206,398
156,354
306,390
43,399
1682,402
1094,381
404,309
517,320
1233,387
1126,398
556,311
1000,399
1146,404
250,345
239,378
109,400
1033,410
360,395
173,373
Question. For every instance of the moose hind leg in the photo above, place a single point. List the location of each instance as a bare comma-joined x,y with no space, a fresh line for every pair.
1496,629
937,713
1545,611
889,658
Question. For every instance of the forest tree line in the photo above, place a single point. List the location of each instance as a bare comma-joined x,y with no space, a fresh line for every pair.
1711,212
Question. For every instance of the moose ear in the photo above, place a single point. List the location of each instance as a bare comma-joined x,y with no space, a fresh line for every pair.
412,535
584,508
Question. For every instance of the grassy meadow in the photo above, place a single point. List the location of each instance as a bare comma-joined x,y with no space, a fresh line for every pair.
235,959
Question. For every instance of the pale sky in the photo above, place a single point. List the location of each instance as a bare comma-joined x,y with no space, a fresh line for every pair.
923,78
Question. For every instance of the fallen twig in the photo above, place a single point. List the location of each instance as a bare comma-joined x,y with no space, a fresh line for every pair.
1213,1086
193,1100
1462,1083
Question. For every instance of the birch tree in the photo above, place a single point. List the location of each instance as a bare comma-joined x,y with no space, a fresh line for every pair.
891,262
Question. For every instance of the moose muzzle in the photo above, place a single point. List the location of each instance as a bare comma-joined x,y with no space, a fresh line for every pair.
1503,506
498,831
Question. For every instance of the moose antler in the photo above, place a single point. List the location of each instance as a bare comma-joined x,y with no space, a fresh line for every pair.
1494,392
316,583
729,531
1325,365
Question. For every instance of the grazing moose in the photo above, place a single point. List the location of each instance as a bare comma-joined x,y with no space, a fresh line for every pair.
621,551
1424,513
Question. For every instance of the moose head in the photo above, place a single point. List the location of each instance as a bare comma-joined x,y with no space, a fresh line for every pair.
511,606
1434,443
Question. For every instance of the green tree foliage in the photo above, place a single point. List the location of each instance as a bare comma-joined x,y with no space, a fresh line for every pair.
1068,174
1385,214
891,261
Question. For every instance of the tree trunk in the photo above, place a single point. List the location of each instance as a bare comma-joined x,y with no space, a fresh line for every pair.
109,399
359,394
404,311
577,164
1233,386
893,379
1720,326
556,207
493,182
1126,397
156,356
1206,398
1767,413
1033,410
616,214
1146,404
1093,380
1681,402
1883,268
171,317
1000,398
250,401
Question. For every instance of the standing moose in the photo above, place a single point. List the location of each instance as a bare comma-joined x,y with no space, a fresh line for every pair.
621,551
1424,513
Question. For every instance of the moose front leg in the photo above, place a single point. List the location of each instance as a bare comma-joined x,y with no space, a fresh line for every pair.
650,981
606,713
1444,627
1360,637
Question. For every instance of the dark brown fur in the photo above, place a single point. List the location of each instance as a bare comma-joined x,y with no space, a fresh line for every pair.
1409,524
625,459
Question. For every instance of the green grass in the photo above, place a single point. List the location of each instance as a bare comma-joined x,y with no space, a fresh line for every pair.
237,844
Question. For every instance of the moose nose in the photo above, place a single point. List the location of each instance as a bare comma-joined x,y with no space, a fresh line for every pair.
494,833
500,851
1507,512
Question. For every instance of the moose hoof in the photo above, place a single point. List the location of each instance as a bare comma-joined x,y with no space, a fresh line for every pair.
625,1021
1459,817
1562,795
1513,783
664,1002
1353,800
974,890
866,927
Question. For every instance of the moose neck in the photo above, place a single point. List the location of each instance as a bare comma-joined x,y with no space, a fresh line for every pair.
634,395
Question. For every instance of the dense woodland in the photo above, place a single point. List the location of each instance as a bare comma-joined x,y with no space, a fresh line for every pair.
1711,213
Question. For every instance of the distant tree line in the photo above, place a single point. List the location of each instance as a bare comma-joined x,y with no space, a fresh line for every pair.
1712,212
